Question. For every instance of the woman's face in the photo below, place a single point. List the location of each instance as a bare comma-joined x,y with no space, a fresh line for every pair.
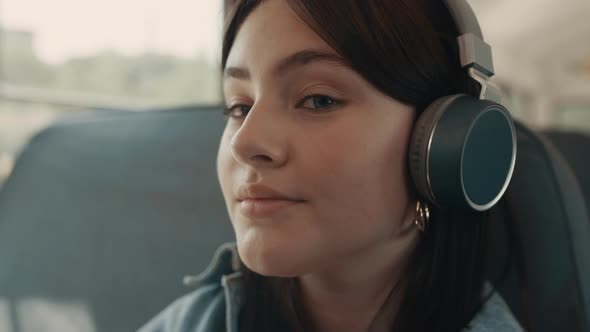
314,130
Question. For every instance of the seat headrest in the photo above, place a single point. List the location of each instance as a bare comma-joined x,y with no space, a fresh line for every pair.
105,214
546,216
574,147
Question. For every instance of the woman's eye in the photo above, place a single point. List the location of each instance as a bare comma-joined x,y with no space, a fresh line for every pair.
318,102
237,111
313,102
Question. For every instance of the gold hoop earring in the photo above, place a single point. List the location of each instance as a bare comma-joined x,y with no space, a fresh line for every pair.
422,215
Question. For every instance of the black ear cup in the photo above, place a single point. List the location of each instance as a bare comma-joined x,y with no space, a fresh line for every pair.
462,152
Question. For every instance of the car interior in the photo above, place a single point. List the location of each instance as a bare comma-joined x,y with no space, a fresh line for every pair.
106,213
109,195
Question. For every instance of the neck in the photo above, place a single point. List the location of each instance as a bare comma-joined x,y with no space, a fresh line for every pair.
363,292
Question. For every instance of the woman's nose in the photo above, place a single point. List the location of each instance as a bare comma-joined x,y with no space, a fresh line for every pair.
260,140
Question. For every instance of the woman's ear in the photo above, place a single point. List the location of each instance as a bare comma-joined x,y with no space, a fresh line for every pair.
408,223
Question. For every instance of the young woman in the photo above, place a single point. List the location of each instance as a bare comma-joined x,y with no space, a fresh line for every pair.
322,97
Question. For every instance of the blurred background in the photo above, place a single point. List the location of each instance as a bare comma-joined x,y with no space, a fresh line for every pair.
60,57
65,56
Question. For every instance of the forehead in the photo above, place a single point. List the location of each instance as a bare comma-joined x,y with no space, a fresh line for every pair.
272,32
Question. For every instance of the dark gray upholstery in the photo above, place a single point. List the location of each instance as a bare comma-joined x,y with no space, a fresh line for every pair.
548,281
104,215
575,147
109,212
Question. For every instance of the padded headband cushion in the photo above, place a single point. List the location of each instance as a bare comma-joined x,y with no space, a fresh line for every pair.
464,17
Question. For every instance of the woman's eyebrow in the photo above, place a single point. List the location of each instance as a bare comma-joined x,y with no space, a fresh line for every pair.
293,61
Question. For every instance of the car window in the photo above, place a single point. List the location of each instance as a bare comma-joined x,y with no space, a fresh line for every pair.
61,57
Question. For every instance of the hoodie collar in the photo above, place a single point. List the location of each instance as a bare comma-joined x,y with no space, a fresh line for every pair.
225,262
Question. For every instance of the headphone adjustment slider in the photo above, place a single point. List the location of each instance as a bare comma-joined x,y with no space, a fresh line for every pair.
489,90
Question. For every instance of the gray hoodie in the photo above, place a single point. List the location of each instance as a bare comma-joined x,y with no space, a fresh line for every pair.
214,305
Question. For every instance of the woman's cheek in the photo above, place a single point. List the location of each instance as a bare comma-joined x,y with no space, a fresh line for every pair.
225,167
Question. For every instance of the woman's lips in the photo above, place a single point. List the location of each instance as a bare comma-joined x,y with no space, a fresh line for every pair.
265,207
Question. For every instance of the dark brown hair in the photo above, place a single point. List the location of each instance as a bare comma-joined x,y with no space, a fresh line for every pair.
406,49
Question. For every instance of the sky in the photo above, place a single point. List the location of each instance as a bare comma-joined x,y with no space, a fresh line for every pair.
67,28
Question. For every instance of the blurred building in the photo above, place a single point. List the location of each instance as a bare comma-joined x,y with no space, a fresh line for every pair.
17,42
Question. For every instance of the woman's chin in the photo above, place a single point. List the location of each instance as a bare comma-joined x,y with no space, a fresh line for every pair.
271,259
268,270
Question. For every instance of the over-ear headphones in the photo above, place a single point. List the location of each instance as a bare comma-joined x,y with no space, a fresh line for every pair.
463,148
